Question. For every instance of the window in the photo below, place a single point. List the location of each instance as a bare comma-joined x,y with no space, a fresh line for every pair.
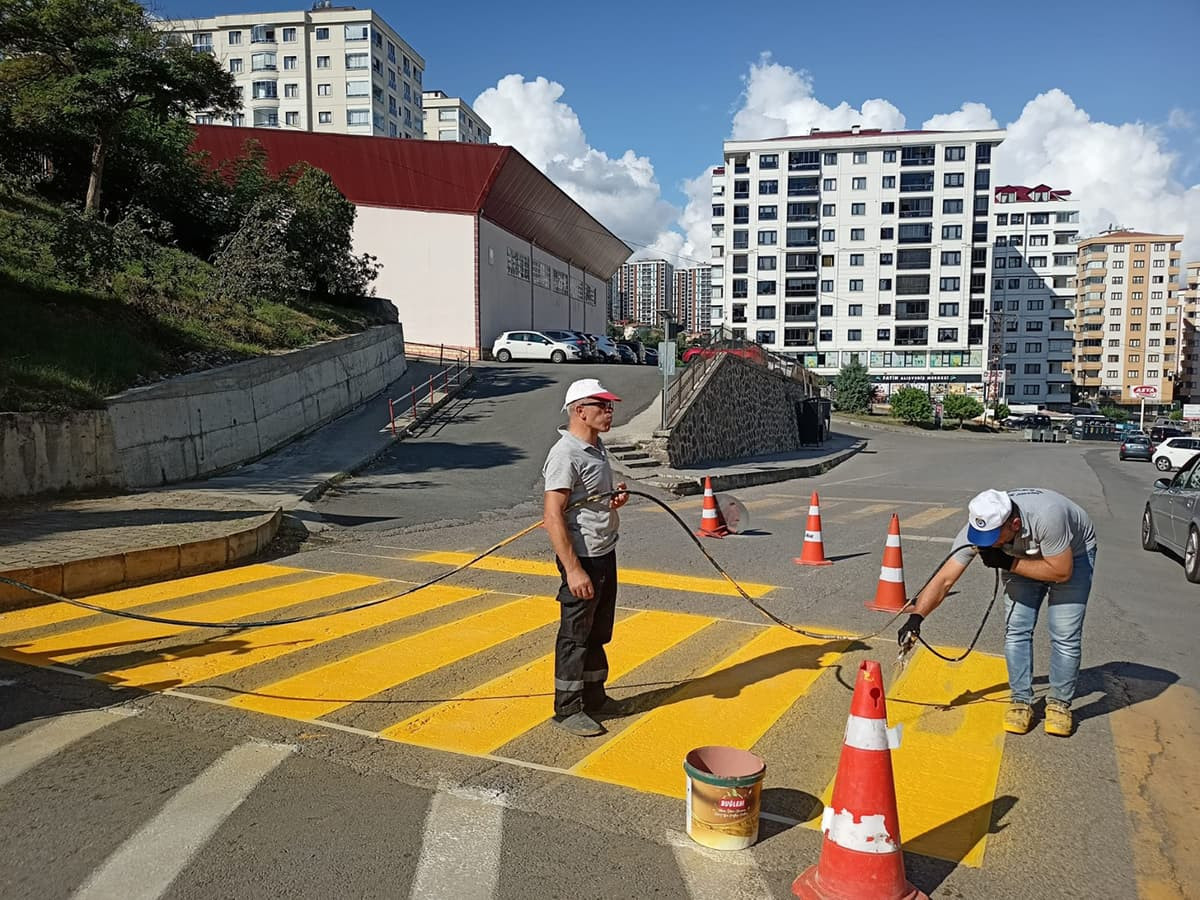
885,259
291,118
291,91
324,118
768,213
889,156
854,309
1035,305
827,234
827,259
831,159
885,284
827,310
883,334
358,60
262,34
264,90
322,34
718,210
951,258
950,284
767,263
951,207
956,154
856,259
768,161
1031,390
858,184
983,179
768,187
358,88
829,184
289,35
766,288
764,337
860,157
953,179
1014,284
358,117
889,181
885,309
858,234
741,215
357,32
825,335
767,238
827,288
951,232
854,334
856,285
947,335
324,90
289,62
948,309
235,65
858,209
262,62
322,62
828,209
887,234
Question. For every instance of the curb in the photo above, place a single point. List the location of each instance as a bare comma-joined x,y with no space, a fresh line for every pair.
82,577
730,480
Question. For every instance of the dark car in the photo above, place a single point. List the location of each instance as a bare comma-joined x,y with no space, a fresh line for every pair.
1160,433
1137,447
651,356
625,352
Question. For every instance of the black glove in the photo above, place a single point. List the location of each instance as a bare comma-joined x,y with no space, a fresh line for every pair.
910,630
995,558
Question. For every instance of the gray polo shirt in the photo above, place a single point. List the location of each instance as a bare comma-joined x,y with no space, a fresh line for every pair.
574,464
1050,523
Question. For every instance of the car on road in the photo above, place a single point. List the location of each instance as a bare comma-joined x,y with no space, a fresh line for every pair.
607,348
1174,453
1136,446
1171,519
1160,433
571,337
533,345
651,357
626,354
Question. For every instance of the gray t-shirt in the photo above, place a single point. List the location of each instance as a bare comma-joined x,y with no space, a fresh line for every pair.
1050,523
574,464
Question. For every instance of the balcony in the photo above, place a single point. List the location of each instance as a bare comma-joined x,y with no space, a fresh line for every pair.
912,316
912,342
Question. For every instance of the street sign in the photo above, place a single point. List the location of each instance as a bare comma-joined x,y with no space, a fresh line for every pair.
1191,410
1146,391
666,357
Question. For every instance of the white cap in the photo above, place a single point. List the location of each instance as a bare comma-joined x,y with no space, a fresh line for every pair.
585,388
985,515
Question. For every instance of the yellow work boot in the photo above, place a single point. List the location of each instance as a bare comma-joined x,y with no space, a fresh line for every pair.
1058,719
1018,718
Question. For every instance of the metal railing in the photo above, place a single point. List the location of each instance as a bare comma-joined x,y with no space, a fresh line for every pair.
451,375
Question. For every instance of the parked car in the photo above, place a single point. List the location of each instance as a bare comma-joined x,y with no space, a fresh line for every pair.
651,357
1174,453
626,353
571,337
1169,520
1136,447
1160,433
607,348
533,345
638,348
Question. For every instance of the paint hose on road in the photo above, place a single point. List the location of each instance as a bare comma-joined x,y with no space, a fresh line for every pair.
594,498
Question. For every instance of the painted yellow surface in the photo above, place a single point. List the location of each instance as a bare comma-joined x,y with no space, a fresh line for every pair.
491,715
642,577
122,633
734,703
129,598
231,652
928,517
948,762
322,690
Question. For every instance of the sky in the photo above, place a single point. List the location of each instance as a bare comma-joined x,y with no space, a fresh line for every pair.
626,105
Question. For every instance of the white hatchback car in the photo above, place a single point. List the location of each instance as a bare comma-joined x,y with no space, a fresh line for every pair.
532,345
1173,453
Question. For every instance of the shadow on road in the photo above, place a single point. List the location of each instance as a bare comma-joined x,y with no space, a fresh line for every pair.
951,842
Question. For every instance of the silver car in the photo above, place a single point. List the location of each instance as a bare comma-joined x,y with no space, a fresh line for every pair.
1171,520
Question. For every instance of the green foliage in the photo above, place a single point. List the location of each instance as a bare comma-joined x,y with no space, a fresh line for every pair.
961,406
1115,413
912,405
852,388
1002,412
1175,415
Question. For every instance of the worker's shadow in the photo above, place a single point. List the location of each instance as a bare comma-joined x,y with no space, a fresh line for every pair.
951,842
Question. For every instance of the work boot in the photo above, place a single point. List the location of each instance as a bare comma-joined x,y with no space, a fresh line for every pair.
1059,720
607,706
579,724
1018,718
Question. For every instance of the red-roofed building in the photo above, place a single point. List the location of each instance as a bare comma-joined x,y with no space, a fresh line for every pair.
473,239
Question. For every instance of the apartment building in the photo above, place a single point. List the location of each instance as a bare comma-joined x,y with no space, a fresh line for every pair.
330,70
452,119
1127,315
1033,291
860,245
1187,378
645,289
693,297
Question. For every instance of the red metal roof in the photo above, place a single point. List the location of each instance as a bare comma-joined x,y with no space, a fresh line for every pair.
438,176
1024,194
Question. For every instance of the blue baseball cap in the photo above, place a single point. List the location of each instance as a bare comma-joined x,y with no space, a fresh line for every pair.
986,515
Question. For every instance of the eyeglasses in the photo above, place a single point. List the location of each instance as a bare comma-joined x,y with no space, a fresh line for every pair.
608,407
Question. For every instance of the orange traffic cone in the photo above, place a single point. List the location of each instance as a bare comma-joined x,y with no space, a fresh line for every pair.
860,854
813,551
711,523
890,595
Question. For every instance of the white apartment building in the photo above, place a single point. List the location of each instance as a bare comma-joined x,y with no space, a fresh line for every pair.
644,289
693,298
1187,378
1033,293
331,70
452,119
860,244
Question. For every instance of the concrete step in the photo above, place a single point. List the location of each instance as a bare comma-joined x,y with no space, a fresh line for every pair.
621,448
641,464
632,454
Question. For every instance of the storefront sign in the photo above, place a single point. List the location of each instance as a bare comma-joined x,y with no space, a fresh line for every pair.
927,378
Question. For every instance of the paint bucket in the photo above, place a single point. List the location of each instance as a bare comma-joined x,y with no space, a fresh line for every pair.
724,792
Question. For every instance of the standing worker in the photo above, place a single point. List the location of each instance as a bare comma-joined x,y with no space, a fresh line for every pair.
584,541
1046,546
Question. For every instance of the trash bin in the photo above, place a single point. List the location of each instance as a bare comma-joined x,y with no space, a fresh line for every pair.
808,420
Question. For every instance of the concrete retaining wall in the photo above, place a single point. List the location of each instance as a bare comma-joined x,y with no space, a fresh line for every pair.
197,424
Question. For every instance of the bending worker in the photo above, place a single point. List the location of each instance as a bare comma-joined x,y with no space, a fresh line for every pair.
584,541
1046,547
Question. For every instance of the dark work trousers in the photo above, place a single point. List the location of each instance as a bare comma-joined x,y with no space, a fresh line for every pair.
580,663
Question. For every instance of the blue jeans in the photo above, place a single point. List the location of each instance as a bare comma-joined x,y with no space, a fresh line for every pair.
1068,603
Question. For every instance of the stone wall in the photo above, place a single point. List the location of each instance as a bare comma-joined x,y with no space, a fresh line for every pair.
740,410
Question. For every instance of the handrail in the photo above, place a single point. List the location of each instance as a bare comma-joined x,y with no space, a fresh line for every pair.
440,352
422,393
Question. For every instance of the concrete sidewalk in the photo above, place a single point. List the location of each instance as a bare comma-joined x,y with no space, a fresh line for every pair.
80,546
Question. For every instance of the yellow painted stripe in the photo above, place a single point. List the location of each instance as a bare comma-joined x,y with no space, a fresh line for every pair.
53,613
733,704
642,577
491,715
948,762
874,509
122,634
320,691
929,517
230,653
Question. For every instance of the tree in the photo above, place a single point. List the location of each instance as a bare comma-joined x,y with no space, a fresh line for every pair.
1002,412
91,64
318,232
1115,413
912,405
961,406
852,388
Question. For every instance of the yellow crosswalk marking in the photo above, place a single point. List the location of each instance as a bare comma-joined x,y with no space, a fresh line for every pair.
208,659
948,762
322,690
863,512
928,517
491,715
734,703
84,642
52,614
642,577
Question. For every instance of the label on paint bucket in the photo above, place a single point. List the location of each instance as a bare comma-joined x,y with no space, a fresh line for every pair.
724,793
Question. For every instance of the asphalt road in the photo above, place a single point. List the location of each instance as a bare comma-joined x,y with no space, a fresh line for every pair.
329,809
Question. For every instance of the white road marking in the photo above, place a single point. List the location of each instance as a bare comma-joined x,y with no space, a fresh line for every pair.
717,874
460,851
21,755
930,539
144,867
8,682
851,480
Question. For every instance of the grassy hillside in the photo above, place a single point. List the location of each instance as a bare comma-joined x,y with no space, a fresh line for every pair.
68,340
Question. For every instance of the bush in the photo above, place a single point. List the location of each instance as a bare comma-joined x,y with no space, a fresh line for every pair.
1115,413
852,389
1002,412
912,405
961,406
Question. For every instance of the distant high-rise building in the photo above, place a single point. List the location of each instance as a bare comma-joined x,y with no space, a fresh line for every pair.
1187,377
693,297
452,119
331,69
645,289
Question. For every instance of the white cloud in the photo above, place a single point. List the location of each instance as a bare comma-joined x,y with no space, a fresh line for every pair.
1180,119
621,192
968,117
